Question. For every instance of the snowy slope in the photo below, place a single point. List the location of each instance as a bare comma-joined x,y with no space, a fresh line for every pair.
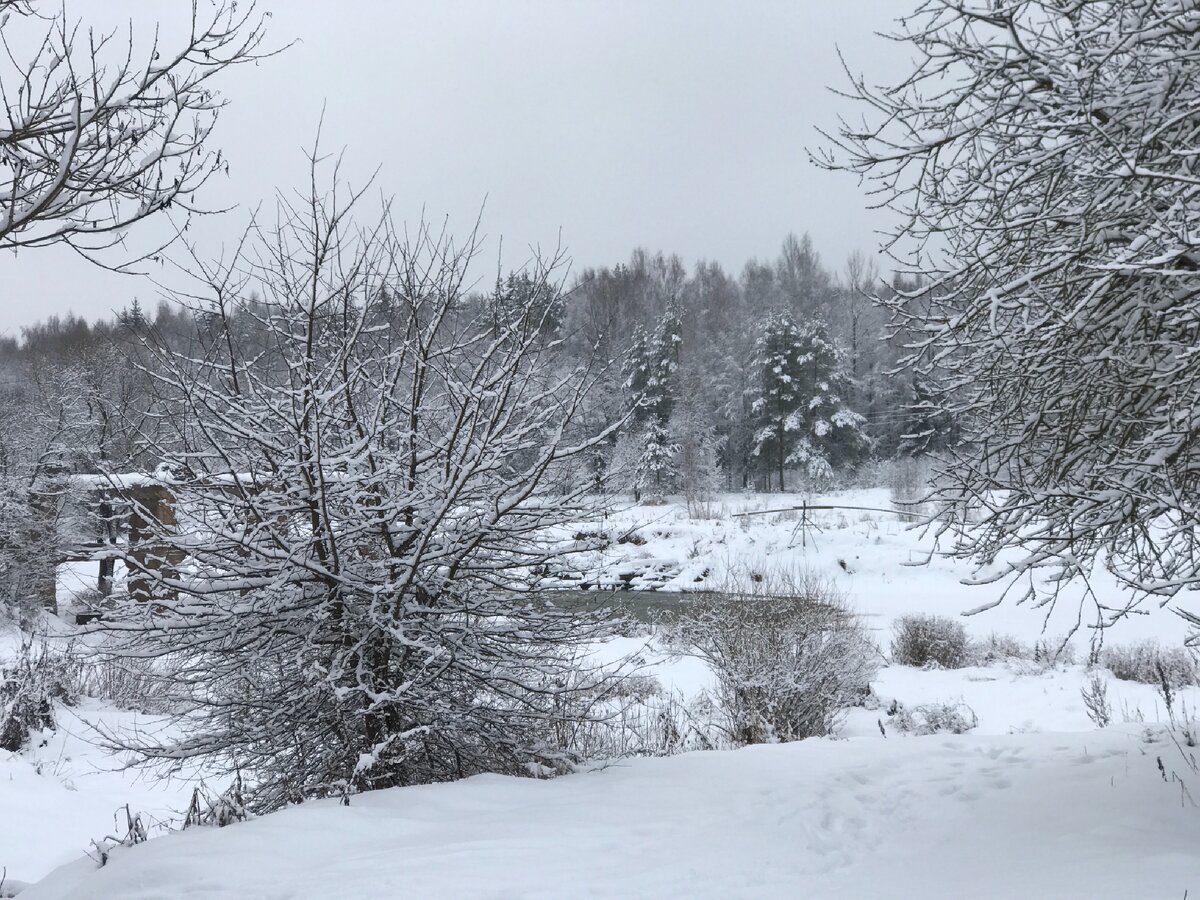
59,794
1017,816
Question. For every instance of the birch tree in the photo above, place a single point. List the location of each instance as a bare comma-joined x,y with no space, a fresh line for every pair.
1044,155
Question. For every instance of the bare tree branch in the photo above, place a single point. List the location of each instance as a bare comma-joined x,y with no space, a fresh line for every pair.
94,137
1044,156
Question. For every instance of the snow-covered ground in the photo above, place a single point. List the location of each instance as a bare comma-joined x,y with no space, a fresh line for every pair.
64,791
883,565
1034,802
1013,816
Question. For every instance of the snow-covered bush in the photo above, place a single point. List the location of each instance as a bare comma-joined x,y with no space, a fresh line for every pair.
923,640
997,648
1054,651
1149,662
1005,649
785,666
931,718
30,685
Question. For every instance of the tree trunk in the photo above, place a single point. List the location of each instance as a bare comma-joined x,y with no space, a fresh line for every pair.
781,457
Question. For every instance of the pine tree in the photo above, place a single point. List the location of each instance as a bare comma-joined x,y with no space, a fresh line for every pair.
521,297
656,466
132,318
928,427
797,405
653,367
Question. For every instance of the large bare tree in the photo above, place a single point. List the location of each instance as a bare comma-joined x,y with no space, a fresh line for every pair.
1045,158
363,488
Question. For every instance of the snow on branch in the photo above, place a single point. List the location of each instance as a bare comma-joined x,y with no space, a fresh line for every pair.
98,131
1044,159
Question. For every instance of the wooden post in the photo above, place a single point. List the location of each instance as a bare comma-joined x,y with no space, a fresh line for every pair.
104,580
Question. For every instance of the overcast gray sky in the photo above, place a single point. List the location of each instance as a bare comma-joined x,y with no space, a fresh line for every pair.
676,126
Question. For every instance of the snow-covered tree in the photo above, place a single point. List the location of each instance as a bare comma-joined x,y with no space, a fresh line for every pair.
656,463
652,369
926,425
797,405
93,140
45,428
801,279
653,362
95,135
62,413
694,437
518,294
1046,153
359,514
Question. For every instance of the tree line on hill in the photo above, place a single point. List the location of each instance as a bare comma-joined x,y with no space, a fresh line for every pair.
784,376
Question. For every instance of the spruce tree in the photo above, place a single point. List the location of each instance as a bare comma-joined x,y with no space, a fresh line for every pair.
800,417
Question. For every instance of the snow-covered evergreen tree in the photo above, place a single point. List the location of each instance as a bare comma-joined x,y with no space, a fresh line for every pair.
521,296
657,470
652,370
799,413
927,426
653,362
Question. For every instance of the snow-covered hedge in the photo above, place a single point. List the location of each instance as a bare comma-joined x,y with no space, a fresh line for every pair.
1151,663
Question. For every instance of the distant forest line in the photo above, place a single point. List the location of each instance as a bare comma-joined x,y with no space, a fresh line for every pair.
784,375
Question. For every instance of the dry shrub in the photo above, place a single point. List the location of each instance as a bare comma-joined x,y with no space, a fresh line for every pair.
1004,648
924,640
1095,700
1149,663
997,648
932,718
646,721
136,684
785,665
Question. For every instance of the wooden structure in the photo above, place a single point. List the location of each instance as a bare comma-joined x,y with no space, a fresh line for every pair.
102,519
